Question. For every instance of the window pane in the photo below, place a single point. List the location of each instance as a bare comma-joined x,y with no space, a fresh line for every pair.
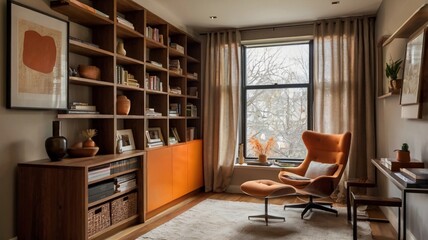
278,113
278,64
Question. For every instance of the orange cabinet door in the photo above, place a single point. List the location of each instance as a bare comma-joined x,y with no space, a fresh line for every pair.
179,171
195,165
159,178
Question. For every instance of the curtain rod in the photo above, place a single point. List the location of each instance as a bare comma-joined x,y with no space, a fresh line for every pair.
244,29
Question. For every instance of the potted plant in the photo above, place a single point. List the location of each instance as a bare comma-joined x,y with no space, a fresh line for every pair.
262,150
403,155
391,71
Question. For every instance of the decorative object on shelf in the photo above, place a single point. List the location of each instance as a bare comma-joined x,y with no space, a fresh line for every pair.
392,69
127,139
83,152
119,144
121,48
38,43
154,137
403,155
56,146
123,105
88,134
72,72
241,154
91,72
260,150
413,67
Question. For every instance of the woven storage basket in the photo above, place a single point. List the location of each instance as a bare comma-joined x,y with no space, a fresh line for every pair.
123,207
98,218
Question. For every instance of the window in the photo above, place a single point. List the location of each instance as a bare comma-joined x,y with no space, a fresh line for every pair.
277,97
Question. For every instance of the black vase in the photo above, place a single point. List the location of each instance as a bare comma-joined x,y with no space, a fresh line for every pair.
56,146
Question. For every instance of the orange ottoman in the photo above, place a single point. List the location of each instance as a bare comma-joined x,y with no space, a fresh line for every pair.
266,189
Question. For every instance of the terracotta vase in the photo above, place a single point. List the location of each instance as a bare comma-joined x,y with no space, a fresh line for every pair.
56,146
403,156
395,85
89,143
262,158
123,105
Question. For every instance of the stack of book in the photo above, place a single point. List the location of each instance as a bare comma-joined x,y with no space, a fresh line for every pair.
153,33
394,165
191,110
151,112
125,22
125,182
124,165
101,190
158,64
418,175
174,109
174,65
192,75
153,83
82,107
126,78
98,172
174,133
82,41
190,133
177,47
175,90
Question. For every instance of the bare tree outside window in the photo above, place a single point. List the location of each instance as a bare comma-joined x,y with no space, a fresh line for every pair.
277,93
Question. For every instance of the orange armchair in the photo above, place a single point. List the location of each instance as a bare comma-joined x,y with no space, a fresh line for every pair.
319,174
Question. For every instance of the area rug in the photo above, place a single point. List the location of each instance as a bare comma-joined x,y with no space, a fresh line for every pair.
220,220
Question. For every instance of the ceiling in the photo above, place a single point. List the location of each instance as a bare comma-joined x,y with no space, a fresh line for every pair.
250,13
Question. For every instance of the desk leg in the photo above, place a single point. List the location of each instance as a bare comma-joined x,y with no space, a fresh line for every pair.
404,213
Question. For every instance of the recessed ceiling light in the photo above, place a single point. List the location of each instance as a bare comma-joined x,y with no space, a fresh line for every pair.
213,17
335,2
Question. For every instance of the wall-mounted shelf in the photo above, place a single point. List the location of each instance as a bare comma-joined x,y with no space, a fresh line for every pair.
386,95
413,23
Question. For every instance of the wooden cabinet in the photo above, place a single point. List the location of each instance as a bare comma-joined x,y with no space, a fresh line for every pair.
173,172
195,165
53,198
159,178
180,171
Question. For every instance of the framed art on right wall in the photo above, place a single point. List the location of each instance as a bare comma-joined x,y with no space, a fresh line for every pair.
413,68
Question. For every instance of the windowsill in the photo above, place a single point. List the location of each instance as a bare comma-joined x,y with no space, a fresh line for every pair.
259,167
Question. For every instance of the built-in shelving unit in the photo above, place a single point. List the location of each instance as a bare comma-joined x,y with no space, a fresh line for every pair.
165,65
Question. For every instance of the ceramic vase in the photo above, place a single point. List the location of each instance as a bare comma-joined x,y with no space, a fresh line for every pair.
241,154
121,49
262,158
56,146
123,105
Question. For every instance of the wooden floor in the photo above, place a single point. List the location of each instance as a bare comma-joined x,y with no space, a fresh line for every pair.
380,231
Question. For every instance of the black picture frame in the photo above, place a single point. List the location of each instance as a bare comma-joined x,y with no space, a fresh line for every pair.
37,59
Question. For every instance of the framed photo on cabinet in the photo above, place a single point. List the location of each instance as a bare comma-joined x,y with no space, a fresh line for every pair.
413,68
37,59
127,138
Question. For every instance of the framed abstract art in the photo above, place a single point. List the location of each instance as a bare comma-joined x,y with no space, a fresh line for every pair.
37,59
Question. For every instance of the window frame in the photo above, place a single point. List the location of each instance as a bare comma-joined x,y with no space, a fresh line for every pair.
244,89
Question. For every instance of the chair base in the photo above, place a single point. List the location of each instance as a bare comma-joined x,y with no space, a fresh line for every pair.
312,205
266,216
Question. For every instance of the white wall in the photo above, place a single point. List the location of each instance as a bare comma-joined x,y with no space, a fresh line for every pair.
392,131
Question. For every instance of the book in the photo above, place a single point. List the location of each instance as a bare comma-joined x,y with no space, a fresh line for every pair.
83,107
100,188
416,174
394,165
75,111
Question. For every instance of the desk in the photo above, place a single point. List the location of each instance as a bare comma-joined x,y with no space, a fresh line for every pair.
402,185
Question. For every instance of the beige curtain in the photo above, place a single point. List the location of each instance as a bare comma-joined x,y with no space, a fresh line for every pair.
221,107
344,87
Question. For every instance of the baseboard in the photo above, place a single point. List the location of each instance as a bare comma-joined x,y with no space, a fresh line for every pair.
234,189
390,214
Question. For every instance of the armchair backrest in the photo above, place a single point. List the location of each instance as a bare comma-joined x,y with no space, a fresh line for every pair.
326,148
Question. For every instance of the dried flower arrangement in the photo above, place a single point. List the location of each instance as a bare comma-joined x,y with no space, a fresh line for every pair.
258,147
89,134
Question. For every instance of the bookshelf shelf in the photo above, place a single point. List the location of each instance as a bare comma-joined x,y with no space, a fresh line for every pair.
89,82
79,14
120,59
85,49
92,204
125,32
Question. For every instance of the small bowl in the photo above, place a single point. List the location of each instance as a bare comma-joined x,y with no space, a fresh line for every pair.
82,152
91,72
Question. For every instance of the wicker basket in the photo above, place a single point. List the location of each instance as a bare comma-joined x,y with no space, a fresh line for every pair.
98,218
123,208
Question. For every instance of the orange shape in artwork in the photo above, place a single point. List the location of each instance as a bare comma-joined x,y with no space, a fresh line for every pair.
39,52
